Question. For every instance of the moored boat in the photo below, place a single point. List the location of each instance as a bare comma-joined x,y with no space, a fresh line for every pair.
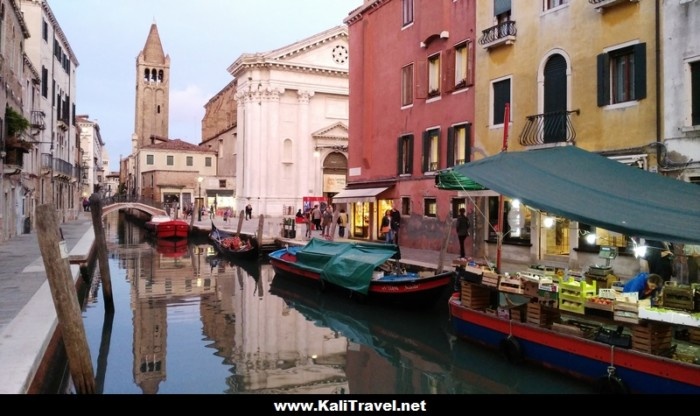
368,271
233,245
614,368
165,227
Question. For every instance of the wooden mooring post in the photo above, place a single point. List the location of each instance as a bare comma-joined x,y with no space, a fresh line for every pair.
101,251
65,298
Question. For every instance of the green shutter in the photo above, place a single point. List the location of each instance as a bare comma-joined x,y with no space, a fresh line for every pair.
603,80
450,147
640,71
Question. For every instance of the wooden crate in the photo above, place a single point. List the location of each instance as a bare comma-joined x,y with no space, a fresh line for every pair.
511,284
475,296
652,337
694,335
490,278
539,315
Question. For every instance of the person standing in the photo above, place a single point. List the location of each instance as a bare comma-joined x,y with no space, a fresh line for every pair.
248,212
308,221
386,227
327,220
316,217
342,222
462,228
395,224
659,255
692,252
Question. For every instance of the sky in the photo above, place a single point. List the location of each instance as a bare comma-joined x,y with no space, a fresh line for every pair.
202,38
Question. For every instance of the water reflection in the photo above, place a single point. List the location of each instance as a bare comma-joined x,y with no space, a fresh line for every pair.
189,321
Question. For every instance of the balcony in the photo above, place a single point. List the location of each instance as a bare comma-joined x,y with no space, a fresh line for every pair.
62,123
601,5
501,34
37,121
549,128
58,167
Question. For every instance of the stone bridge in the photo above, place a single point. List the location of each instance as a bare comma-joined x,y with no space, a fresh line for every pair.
147,206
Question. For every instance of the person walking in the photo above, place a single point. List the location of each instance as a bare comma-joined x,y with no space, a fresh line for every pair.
342,222
308,222
326,222
248,212
462,228
395,224
316,217
386,227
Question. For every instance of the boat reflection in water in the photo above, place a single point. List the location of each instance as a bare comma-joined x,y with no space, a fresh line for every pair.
200,323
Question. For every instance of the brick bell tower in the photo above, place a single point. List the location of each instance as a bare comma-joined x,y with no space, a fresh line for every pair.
152,92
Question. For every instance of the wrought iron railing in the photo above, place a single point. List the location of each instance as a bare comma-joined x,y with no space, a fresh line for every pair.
554,127
48,162
500,31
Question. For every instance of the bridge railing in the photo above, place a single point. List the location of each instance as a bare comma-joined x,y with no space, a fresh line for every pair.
107,201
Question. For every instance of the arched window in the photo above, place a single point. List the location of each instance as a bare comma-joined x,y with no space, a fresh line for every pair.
160,76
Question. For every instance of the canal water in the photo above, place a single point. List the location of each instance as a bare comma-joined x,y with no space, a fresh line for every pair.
187,321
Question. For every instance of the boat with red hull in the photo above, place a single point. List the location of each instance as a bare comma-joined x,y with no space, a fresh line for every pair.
165,227
616,370
369,271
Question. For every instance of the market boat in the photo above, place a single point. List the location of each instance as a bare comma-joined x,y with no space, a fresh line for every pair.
371,272
165,227
234,245
614,366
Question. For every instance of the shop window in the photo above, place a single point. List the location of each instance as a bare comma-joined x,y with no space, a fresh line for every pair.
517,219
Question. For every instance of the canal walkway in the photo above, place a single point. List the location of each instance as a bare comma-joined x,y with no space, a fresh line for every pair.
28,317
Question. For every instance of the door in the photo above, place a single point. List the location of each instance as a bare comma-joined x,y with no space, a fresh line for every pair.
555,98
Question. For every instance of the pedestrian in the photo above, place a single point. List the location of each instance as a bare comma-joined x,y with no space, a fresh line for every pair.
212,214
308,222
462,228
248,212
86,204
326,222
342,222
316,217
226,213
395,225
385,230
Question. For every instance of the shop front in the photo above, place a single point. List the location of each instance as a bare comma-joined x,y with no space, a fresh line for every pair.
365,210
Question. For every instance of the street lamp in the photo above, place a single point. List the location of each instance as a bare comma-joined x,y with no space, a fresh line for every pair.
199,208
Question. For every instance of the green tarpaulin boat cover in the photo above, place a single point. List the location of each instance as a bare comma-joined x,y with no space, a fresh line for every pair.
590,188
348,265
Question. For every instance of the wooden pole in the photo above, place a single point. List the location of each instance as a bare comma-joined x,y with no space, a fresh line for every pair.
241,218
101,251
499,231
261,223
65,298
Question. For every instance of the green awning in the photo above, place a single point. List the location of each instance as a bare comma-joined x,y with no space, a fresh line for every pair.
450,180
573,183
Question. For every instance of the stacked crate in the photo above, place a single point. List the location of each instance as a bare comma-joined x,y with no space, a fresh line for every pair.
652,337
475,296
694,335
539,315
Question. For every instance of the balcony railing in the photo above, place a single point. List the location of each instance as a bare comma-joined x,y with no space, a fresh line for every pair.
502,33
554,127
57,166
37,120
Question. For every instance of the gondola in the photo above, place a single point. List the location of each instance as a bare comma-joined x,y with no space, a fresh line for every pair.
233,245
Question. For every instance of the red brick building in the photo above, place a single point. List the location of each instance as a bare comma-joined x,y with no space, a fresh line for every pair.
411,114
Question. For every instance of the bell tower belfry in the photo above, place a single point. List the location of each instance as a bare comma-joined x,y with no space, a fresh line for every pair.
152,91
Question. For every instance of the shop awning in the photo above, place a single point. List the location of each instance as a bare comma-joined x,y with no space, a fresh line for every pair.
573,183
451,180
358,195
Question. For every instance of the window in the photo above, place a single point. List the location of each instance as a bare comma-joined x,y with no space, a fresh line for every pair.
456,205
190,161
516,221
434,76
170,160
591,238
550,4
222,183
405,151
405,206
622,75
458,144
695,93
463,69
207,161
44,82
407,12
407,85
149,159
501,97
431,142
430,207
45,31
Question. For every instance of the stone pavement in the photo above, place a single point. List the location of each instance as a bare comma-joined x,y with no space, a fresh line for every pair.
28,318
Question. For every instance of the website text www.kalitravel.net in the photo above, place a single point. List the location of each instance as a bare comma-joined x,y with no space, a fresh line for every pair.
349,405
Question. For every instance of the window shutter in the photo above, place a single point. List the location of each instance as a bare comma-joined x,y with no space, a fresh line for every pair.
410,154
603,80
640,71
468,144
399,155
450,147
448,73
426,151
470,63
421,76
695,93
